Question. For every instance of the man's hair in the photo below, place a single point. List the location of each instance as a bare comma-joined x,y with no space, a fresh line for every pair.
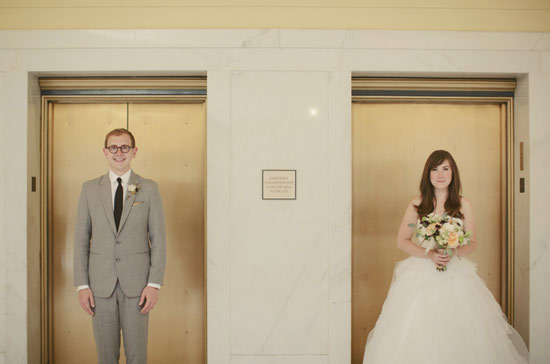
120,131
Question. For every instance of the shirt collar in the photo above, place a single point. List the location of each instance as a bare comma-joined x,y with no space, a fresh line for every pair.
125,177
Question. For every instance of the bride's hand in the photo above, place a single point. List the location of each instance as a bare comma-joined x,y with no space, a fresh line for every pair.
439,257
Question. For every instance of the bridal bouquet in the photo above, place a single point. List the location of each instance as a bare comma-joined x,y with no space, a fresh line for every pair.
441,232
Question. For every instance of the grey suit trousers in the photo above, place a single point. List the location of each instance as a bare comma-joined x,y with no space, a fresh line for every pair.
113,314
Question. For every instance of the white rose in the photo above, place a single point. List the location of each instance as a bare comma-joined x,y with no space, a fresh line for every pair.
449,227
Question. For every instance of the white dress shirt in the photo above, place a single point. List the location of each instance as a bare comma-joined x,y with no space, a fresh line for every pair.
114,185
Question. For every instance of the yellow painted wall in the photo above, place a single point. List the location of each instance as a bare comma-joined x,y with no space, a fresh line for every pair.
462,15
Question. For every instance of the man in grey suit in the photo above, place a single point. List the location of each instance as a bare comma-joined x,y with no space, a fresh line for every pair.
119,252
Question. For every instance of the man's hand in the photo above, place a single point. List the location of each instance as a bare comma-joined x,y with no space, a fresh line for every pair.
86,300
149,298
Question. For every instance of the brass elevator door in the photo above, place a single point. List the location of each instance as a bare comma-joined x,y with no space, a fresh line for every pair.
391,142
170,139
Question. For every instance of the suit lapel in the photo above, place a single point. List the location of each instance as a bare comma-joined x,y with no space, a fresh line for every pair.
129,199
107,200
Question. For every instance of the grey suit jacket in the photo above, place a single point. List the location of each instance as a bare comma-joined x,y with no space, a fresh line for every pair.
135,254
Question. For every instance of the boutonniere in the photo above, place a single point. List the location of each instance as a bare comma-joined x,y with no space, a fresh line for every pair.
132,190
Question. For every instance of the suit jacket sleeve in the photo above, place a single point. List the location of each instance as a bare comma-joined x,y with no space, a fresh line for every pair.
83,233
157,238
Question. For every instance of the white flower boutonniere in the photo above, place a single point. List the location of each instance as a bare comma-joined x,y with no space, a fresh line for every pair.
132,190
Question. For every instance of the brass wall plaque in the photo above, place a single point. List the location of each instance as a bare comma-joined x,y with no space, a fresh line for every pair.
279,184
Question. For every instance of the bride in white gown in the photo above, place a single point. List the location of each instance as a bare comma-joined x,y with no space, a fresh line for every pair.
446,317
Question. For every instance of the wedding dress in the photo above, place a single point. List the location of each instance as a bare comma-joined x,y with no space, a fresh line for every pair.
442,317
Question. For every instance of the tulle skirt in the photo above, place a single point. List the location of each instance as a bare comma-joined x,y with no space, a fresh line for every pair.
442,317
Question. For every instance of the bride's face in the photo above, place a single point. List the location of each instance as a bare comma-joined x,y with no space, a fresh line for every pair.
441,176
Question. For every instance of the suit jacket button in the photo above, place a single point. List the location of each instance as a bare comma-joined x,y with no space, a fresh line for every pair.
117,242
117,259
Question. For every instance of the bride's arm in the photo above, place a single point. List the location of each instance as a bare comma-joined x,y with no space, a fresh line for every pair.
469,227
405,234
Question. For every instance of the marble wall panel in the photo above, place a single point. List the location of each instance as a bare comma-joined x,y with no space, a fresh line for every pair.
274,38
545,61
313,39
539,130
441,61
279,249
340,217
144,38
7,60
482,41
218,222
287,59
114,61
544,43
15,229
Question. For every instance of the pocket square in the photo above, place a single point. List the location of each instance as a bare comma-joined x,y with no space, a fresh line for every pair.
137,203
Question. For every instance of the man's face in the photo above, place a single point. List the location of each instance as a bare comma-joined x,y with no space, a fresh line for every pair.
119,162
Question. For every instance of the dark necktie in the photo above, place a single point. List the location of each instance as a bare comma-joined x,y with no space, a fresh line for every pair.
118,202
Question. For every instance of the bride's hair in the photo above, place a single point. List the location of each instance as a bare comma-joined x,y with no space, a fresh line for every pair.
427,204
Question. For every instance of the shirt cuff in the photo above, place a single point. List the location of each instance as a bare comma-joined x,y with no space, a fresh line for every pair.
80,288
157,286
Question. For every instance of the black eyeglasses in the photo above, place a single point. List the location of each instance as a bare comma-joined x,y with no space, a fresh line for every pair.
123,148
